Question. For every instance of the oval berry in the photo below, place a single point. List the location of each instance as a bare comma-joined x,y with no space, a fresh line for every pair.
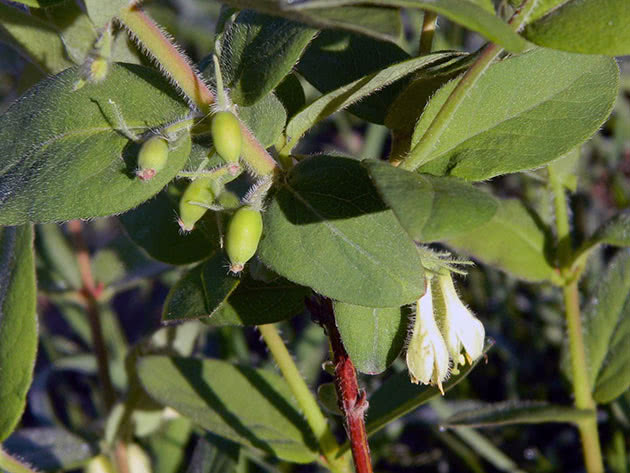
199,190
152,157
226,136
242,237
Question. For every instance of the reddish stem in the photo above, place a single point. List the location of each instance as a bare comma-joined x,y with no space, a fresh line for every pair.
90,293
352,399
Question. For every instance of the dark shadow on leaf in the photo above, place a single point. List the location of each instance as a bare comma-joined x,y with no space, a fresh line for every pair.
325,188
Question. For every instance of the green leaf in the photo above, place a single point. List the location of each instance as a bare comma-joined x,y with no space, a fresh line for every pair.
398,396
57,258
36,38
260,50
291,93
615,232
465,13
265,119
516,412
214,454
249,406
326,224
562,100
350,93
373,337
381,23
514,241
101,12
606,331
18,323
431,208
336,58
61,156
50,448
168,446
153,226
584,26
39,3
207,292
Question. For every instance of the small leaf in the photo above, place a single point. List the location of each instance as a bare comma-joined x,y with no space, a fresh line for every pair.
516,412
153,226
18,323
348,94
251,302
563,99
37,38
59,261
62,157
398,396
337,58
465,13
606,331
615,232
584,26
101,12
265,119
513,241
431,208
378,22
259,52
373,337
250,406
50,448
326,224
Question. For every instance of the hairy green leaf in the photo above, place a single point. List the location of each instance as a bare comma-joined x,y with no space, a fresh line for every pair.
36,38
207,292
326,224
431,208
153,226
615,232
350,93
62,155
468,14
18,323
337,58
377,22
584,26
606,331
372,337
516,412
101,12
514,241
259,52
562,100
250,406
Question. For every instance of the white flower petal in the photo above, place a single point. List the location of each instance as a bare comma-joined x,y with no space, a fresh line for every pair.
427,354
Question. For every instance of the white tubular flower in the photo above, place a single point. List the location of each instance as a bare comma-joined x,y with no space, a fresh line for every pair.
459,326
427,354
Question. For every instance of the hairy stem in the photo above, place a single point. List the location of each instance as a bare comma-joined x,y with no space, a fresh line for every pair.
90,292
352,400
177,66
313,414
579,365
420,153
428,31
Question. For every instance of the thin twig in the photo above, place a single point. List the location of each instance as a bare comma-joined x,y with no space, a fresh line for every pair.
90,293
352,400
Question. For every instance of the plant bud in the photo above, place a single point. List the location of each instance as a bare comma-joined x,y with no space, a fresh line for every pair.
226,136
152,157
242,237
199,190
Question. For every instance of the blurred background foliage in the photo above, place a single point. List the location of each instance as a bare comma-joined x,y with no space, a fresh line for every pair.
525,320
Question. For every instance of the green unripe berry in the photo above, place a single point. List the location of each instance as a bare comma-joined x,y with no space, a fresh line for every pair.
199,190
226,136
152,157
242,237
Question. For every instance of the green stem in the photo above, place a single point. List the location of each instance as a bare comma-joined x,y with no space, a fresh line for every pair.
313,414
420,153
12,465
579,366
428,31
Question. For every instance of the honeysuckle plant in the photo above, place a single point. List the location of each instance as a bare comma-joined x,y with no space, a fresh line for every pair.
221,188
